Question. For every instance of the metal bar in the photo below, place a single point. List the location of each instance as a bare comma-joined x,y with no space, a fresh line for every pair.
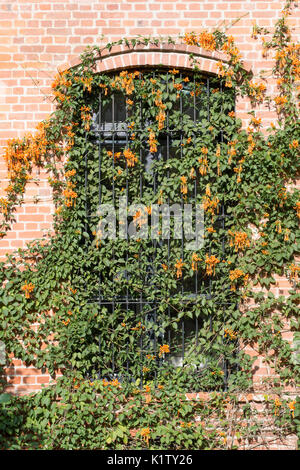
111,136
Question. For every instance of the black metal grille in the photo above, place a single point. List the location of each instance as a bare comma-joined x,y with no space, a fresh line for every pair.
110,132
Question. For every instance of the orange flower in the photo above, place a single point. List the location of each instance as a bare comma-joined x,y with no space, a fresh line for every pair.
294,144
145,433
211,205
183,187
115,383
178,86
192,173
231,152
115,155
297,207
174,72
203,161
86,116
277,404
150,356
239,240
195,260
152,141
282,194
4,204
131,158
294,271
178,265
104,87
211,262
207,41
161,119
203,166
236,274
87,83
27,288
70,173
126,81
69,195
218,154
291,406
278,226
257,90
190,39
148,398
164,349
140,218
230,333
286,235
255,121
280,100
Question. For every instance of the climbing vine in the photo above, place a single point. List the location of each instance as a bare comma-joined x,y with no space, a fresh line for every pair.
48,316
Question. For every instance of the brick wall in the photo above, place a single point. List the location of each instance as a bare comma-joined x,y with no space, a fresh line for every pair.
37,37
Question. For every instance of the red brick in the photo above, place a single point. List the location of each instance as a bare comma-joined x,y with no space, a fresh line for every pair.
37,37
27,371
29,380
43,380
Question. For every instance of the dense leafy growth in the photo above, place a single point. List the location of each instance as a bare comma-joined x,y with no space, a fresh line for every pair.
129,395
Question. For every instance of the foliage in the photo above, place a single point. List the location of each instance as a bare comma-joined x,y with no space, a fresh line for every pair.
48,315
78,414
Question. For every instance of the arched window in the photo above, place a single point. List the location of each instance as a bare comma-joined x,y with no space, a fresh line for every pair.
149,149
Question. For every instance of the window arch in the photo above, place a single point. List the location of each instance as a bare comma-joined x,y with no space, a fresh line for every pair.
150,135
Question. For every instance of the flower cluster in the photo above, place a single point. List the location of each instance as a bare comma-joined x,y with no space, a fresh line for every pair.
131,158
211,262
239,240
204,39
27,288
164,349
203,161
195,261
236,274
183,187
178,266
161,116
125,81
211,204
152,141
86,116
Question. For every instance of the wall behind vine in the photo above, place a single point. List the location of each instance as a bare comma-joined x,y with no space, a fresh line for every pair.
38,37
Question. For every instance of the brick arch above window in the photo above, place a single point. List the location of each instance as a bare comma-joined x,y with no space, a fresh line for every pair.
169,55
